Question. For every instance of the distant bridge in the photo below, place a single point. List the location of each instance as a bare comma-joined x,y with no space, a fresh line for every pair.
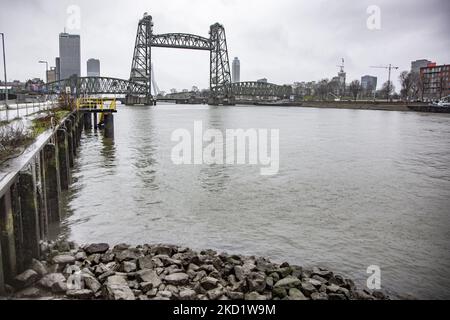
105,85
256,89
138,88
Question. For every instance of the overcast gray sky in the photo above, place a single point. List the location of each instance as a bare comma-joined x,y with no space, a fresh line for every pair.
282,40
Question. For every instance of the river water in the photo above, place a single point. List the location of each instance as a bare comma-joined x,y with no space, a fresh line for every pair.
355,188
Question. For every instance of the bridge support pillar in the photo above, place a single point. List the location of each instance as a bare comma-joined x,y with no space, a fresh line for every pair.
52,181
95,121
63,157
7,238
87,118
30,218
109,125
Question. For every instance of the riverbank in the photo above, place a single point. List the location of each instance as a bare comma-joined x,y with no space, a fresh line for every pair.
166,272
359,105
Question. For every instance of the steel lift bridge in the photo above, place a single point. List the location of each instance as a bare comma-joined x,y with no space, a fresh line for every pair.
138,88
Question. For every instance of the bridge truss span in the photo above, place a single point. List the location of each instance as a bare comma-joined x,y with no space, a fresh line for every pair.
181,41
260,89
96,85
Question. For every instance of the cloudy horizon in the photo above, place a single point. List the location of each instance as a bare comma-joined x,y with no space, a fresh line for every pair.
284,41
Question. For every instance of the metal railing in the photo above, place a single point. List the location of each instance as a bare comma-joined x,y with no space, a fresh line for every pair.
18,110
96,103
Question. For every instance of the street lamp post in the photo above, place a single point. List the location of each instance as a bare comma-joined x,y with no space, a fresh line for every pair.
46,69
4,69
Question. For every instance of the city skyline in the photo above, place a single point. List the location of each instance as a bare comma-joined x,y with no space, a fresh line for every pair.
284,55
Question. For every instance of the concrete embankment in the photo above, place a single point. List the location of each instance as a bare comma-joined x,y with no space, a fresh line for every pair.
360,105
166,272
364,105
30,189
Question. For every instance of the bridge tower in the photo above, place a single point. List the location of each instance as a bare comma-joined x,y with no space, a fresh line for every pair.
219,75
141,64
141,67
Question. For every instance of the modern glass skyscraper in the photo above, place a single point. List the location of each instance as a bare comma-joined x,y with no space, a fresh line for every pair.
69,55
93,68
369,83
58,68
236,70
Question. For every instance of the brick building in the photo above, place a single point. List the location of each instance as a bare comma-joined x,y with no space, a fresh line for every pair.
435,81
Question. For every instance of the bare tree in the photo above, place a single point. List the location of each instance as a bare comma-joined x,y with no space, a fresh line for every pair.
387,89
410,85
323,88
355,88
416,85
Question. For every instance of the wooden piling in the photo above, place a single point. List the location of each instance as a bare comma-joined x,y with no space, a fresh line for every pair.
63,157
109,125
87,119
52,182
18,227
29,211
7,238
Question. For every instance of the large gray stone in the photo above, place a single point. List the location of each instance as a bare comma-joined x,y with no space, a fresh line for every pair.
279,292
63,259
82,294
234,295
128,266
116,288
295,294
59,287
209,283
308,289
288,282
27,293
97,248
149,276
26,278
256,281
177,279
162,249
50,279
326,274
91,283
167,261
80,256
127,254
39,267
243,271
254,296
319,296
145,263
215,294
187,294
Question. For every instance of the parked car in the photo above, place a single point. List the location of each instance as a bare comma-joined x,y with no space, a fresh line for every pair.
444,102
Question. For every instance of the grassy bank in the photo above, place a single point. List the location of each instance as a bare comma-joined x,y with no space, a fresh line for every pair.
16,136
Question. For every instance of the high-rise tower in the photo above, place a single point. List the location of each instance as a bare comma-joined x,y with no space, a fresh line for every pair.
236,70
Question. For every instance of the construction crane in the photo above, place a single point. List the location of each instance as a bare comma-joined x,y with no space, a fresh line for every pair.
389,67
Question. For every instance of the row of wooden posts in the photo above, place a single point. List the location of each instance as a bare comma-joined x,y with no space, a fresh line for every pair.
31,200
